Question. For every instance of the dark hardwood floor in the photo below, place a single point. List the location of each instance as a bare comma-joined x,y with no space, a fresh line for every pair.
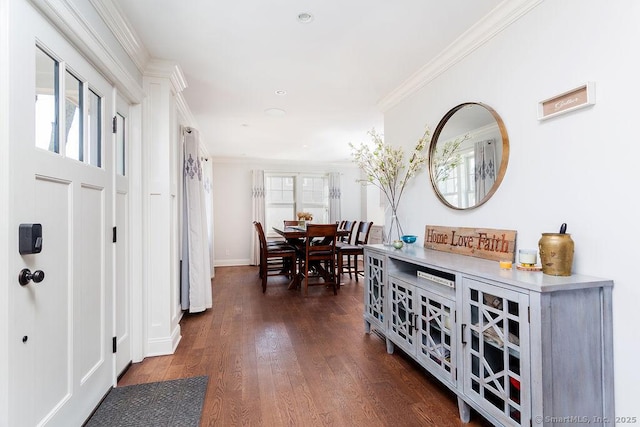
279,359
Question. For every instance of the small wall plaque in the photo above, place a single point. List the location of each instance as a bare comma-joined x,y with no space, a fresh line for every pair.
487,243
579,97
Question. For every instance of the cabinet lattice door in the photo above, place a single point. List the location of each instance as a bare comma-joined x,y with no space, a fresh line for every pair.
436,334
402,318
496,349
374,293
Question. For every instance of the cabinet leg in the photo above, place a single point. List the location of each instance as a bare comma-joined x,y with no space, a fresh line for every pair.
465,410
390,346
367,327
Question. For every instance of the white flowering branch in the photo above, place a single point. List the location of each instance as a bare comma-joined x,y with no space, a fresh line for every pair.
384,166
447,158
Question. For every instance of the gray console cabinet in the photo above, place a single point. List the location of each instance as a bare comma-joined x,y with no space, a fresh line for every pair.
521,348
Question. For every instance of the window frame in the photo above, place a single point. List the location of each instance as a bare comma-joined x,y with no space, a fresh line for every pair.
89,152
298,203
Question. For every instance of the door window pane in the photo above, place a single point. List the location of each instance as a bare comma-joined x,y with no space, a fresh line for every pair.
120,145
46,102
94,123
73,117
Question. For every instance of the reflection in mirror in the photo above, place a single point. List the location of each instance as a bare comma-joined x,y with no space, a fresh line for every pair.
468,155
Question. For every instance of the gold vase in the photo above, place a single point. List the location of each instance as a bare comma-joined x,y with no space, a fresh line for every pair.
556,253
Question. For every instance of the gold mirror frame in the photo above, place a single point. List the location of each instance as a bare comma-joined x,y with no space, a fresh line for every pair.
504,156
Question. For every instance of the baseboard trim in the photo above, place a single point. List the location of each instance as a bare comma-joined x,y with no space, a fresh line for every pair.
231,262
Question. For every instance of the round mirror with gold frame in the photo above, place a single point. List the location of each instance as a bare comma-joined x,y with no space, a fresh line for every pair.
468,155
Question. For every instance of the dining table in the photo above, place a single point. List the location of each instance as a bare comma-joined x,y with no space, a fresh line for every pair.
295,236
295,232
291,232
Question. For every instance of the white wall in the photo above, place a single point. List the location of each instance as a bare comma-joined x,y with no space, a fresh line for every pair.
232,209
578,168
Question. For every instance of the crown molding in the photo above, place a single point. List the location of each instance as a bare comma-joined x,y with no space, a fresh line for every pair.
122,30
68,19
167,70
185,112
484,30
284,164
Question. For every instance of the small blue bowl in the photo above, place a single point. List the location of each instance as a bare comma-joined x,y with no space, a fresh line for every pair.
409,238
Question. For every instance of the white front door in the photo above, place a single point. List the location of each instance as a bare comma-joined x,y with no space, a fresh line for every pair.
122,312
60,339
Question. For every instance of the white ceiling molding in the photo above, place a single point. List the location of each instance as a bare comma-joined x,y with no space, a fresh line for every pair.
170,70
167,70
279,164
132,44
123,31
185,113
493,23
86,39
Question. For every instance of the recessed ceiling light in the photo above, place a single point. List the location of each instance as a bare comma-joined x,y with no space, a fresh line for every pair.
275,112
305,17
281,92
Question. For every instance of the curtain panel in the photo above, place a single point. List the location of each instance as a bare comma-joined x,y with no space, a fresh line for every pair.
335,193
485,167
196,268
258,214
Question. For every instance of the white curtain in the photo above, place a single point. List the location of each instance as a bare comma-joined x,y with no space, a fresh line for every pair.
207,180
334,197
485,169
257,199
196,266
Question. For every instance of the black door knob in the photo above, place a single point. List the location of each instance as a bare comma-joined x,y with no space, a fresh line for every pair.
26,276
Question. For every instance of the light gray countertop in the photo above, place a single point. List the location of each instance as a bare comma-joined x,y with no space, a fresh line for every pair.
535,281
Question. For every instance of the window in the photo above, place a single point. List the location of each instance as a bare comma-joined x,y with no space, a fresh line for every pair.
72,126
288,194
459,187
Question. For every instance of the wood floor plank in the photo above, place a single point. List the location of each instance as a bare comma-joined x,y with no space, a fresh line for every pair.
279,359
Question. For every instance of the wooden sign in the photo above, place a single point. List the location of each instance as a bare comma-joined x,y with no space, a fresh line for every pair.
487,243
579,97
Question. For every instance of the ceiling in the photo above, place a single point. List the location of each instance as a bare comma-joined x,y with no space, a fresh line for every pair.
237,55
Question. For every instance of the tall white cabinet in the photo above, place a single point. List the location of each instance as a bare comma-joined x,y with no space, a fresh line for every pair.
521,348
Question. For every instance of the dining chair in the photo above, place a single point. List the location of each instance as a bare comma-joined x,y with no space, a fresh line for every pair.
345,234
352,251
275,260
318,256
291,223
347,226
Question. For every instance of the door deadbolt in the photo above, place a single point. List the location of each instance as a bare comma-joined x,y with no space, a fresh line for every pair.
26,276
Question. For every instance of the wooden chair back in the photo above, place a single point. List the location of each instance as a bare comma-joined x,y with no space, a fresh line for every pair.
321,239
261,236
272,259
362,233
320,250
348,226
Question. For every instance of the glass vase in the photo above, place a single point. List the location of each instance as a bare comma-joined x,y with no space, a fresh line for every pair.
394,232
